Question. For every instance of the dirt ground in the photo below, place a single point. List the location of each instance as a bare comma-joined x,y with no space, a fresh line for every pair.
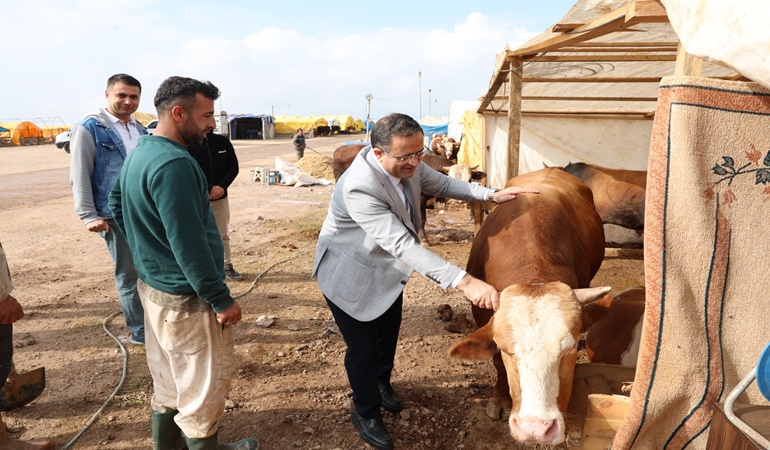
290,391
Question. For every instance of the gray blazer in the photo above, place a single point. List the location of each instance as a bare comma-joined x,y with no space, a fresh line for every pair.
368,245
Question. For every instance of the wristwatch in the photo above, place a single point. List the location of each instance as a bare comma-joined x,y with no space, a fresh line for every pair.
491,195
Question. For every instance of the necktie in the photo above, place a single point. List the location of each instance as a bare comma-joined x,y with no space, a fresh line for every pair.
407,203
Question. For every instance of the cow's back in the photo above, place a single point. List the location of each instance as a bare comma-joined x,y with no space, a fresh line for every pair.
343,157
556,235
619,194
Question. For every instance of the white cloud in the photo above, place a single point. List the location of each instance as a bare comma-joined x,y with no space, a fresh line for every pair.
64,56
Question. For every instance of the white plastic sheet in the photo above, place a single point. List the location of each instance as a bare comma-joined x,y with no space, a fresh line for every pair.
734,33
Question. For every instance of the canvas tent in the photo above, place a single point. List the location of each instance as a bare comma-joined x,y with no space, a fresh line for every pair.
585,90
24,133
290,124
251,126
347,124
610,84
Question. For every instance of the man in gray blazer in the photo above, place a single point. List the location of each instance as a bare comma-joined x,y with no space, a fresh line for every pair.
367,250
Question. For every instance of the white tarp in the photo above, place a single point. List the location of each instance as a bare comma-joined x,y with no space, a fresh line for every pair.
732,32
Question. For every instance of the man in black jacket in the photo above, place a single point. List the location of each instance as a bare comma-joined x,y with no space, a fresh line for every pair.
216,156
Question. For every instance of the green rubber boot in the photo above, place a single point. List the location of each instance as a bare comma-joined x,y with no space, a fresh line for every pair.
211,443
166,434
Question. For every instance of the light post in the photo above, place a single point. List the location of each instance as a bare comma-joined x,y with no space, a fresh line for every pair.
419,89
368,98
429,101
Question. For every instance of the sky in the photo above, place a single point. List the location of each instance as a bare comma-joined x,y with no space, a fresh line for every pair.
298,58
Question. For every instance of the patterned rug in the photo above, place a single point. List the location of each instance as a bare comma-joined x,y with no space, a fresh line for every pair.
707,259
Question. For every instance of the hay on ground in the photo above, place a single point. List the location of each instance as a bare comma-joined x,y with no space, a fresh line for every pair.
318,166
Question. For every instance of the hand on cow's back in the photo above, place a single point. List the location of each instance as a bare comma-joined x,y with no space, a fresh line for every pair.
479,292
510,193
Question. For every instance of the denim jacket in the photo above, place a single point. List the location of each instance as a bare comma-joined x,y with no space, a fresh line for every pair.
97,153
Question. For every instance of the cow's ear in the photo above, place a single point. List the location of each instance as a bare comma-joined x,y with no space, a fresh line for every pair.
478,345
590,295
596,311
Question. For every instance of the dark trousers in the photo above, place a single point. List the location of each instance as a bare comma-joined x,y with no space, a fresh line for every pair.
370,354
6,354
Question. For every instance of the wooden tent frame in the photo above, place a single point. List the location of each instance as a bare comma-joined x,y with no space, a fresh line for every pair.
572,42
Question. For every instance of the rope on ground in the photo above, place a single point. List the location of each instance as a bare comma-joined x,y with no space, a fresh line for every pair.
125,353
117,388
253,283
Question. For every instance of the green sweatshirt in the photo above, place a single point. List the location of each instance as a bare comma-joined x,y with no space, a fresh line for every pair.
161,202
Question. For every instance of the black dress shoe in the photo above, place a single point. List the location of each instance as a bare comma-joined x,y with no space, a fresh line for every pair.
372,431
389,398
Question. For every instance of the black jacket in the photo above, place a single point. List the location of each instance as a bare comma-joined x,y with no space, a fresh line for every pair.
216,156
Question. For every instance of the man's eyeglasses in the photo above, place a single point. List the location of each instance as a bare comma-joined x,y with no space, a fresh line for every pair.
410,157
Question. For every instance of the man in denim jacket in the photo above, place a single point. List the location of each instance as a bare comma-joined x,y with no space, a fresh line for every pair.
98,146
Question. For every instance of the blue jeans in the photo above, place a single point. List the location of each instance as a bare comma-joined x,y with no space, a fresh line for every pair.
125,280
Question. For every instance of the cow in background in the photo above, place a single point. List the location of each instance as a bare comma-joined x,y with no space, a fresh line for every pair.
619,194
445,146
343,157
541,251
615,338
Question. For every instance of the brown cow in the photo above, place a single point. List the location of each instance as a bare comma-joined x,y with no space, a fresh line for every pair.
541,251
614,339
618,194
343,157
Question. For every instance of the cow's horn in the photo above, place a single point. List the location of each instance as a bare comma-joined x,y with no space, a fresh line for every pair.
590,295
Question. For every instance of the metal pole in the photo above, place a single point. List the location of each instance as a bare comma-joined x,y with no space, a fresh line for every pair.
368,115
419,89
429,101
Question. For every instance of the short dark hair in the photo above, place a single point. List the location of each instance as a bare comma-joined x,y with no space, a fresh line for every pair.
394,124
128,80
182,91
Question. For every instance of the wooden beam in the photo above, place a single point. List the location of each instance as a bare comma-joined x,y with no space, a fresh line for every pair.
616,49
598,113
499,77
649,10
592,58
687,64
646,11
627,44
639,11
573,115
514,118
593,80
599,27
586,99
564,27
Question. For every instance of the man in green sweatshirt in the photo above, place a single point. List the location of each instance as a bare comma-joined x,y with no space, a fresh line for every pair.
161,202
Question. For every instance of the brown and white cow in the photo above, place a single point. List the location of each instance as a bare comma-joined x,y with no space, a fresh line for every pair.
541,251
445,146
615,338
618,194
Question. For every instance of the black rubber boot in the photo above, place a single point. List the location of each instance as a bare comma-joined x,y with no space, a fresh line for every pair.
166,434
